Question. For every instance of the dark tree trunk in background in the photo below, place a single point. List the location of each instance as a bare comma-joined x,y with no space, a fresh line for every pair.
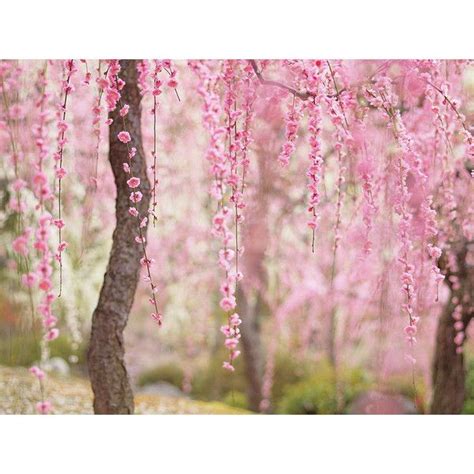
448,369
255,237
250,309
107,371
449,373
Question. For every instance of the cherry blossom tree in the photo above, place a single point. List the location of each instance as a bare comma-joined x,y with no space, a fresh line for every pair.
336,194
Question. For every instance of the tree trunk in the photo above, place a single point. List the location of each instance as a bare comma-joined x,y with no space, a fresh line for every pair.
108,374
250,308
448,367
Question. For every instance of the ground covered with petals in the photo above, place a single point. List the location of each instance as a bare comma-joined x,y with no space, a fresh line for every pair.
73,395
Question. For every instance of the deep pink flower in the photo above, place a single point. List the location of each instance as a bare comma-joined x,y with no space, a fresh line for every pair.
52,334
133,182
44,407
60,173
124,137
59,223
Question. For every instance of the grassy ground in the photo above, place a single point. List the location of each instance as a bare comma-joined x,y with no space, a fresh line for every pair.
19,392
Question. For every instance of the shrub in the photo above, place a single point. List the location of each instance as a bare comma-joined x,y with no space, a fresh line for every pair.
317,394
22,349
212,382
289,370
170,373
236,400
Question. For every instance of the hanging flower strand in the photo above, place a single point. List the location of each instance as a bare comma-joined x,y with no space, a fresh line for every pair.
315,168
62,126
222,153
156,91
96,120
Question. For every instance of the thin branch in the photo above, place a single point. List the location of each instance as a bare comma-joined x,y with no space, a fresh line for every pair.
301,95
450,103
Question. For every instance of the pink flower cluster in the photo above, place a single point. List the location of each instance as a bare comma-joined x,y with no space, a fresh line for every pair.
69,68
292,120
227,154
369,208
316,164
232,334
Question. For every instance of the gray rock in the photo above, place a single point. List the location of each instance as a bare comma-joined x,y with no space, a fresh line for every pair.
58,366
163,388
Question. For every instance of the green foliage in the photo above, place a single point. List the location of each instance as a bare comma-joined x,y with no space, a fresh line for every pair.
469,403
236,400
317,394
22,349
170,373
298,385
212,382
289,370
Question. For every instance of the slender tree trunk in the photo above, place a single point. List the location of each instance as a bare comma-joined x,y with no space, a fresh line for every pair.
250,308
331,339
250,302
107,371
449,373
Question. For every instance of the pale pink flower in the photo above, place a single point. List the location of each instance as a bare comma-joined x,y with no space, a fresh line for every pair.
29,279
124,110
158,318
37,372
20,245
44,407
136,196
228,303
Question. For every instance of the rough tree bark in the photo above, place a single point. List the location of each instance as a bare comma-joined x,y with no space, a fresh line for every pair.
108,374
448,366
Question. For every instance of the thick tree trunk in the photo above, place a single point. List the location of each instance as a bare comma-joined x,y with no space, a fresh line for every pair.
448,368
107,371
250,308
449,373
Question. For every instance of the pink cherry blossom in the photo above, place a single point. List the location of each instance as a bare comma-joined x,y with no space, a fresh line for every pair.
133,182
124,137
